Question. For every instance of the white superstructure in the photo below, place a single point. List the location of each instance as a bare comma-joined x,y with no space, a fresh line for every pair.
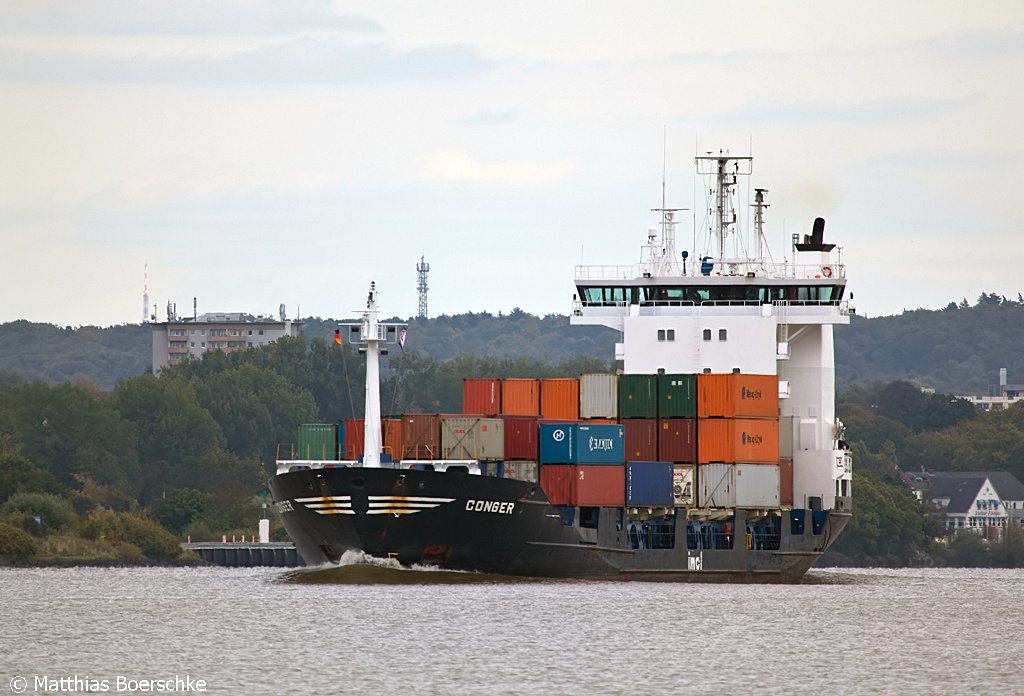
735,310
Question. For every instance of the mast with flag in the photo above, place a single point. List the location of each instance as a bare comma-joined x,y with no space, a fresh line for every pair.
372,337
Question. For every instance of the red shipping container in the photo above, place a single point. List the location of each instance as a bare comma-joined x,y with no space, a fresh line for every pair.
520,438
520,397
677,440
560,398
355,438
641,439
786,481
421,436
584,484
481,396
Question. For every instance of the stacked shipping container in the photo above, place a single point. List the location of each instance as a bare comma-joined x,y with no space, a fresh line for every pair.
738,441
656,439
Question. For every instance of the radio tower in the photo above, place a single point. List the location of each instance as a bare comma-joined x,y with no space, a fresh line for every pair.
423,267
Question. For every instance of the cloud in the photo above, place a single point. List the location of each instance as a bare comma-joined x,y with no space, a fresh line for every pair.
307,60
180,17
870,111
460,167
490,118
992,42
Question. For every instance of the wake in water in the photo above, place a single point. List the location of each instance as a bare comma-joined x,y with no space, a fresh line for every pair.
357,568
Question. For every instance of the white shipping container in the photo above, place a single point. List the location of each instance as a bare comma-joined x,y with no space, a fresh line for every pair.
682,484
757,485
716,485
521,471
599,396
738,485
468,437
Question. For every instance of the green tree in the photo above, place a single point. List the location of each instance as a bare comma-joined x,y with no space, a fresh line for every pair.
19,475
38,512
16,545
255,408
178,508
175,432
72,430
889,526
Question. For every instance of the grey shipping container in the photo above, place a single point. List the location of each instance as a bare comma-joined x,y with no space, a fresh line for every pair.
599,396
785,437
738,485
469,437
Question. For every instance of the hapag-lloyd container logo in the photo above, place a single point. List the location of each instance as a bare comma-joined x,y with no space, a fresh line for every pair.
749,393
600,444
752,439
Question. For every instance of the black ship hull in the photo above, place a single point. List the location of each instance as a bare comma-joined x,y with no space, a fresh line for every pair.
502,526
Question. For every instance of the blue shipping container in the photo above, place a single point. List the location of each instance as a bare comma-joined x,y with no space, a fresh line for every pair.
577,443
649,484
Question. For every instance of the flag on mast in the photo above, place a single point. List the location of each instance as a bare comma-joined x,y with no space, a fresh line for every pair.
337,336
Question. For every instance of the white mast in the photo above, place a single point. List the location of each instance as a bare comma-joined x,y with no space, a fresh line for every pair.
373,441
370,333
725,170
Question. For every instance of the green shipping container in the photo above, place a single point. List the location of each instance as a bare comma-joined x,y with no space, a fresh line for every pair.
677,396
318,441
638,396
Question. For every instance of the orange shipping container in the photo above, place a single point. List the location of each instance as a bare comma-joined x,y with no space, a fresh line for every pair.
355,437
481,396
520,397
560,399
737,396
391,431
730,440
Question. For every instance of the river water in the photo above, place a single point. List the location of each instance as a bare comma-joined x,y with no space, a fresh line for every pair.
387,631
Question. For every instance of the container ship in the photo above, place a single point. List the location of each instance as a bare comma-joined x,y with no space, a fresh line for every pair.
712,455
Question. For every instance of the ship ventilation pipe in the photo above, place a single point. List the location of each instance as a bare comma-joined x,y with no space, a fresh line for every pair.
818,231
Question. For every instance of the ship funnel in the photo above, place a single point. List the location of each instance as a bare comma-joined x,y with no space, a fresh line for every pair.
815,241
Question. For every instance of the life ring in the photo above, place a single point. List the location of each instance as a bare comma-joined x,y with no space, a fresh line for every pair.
826,271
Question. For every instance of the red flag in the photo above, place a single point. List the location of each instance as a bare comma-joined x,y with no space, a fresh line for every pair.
337,336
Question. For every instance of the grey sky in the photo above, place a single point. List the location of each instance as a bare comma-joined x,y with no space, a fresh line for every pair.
258,153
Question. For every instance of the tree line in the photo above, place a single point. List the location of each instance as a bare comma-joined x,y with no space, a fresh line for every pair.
955,350
190,449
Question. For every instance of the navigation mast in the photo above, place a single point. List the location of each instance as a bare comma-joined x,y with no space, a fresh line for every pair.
726,169
372,336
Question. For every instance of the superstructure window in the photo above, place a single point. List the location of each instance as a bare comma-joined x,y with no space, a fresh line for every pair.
666,334
707,334
723,334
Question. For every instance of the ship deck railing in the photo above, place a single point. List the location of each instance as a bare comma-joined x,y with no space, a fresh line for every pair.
467,466
738,268
843,305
